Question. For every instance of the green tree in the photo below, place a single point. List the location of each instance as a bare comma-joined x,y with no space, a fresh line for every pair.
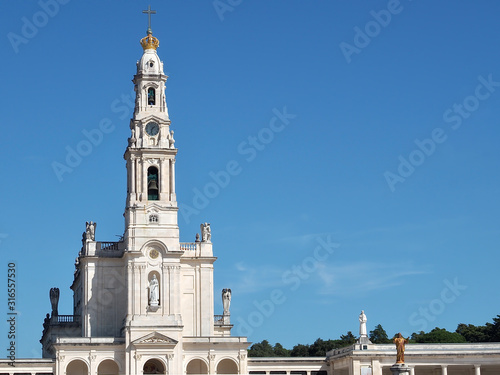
493,330
347,339
473,333
437,335
300,350
261,349
280,351
379,336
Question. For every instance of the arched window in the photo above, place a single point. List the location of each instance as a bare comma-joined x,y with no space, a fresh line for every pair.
151,96
153,184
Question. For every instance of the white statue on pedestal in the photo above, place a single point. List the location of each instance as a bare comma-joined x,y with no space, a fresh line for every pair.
206,232
90,231
226,300
362,324
154,294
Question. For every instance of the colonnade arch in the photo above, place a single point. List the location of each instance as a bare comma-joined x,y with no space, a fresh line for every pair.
196,366
77,367
227,366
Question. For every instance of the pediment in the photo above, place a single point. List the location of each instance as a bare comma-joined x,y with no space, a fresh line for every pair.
158,119
155,338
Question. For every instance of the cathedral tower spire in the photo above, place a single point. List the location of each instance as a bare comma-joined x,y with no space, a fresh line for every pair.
150,155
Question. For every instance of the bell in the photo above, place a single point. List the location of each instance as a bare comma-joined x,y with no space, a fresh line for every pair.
152,185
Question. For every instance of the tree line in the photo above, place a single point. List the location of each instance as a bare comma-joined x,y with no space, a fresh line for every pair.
465,333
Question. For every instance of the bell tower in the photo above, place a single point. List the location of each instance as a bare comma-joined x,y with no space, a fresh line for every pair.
150,155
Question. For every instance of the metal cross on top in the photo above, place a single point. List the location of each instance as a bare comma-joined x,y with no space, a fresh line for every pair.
149,13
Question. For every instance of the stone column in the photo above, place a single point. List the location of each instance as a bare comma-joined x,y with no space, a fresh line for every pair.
242,357
166,179
211,362
170,369
137,289
376,368
172,180
60,364
130,290
165,285
163,179
143,181
355,368
93,363
412,371
132,178
444,370
477,369
175,289
137,358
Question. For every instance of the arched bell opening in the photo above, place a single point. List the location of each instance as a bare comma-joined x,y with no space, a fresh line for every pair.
151,96
153,190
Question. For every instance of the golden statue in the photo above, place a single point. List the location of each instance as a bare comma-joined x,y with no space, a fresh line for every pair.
400,342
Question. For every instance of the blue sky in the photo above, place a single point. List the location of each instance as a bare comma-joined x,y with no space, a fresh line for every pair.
388,153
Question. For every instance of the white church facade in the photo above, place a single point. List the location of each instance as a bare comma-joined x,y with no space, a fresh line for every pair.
145,304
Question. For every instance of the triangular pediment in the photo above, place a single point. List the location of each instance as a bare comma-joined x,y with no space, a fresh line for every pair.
158,119
155,338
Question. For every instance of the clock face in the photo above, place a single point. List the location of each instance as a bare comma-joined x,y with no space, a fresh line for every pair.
152,128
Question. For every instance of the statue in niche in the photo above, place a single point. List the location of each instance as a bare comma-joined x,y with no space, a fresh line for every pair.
226,300
54,300
90,231
400,342
362,324
154,294
206,232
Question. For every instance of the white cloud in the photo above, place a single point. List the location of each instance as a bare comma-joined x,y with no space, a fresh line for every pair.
362,277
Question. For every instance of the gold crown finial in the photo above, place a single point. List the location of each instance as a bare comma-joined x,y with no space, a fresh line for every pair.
150,42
